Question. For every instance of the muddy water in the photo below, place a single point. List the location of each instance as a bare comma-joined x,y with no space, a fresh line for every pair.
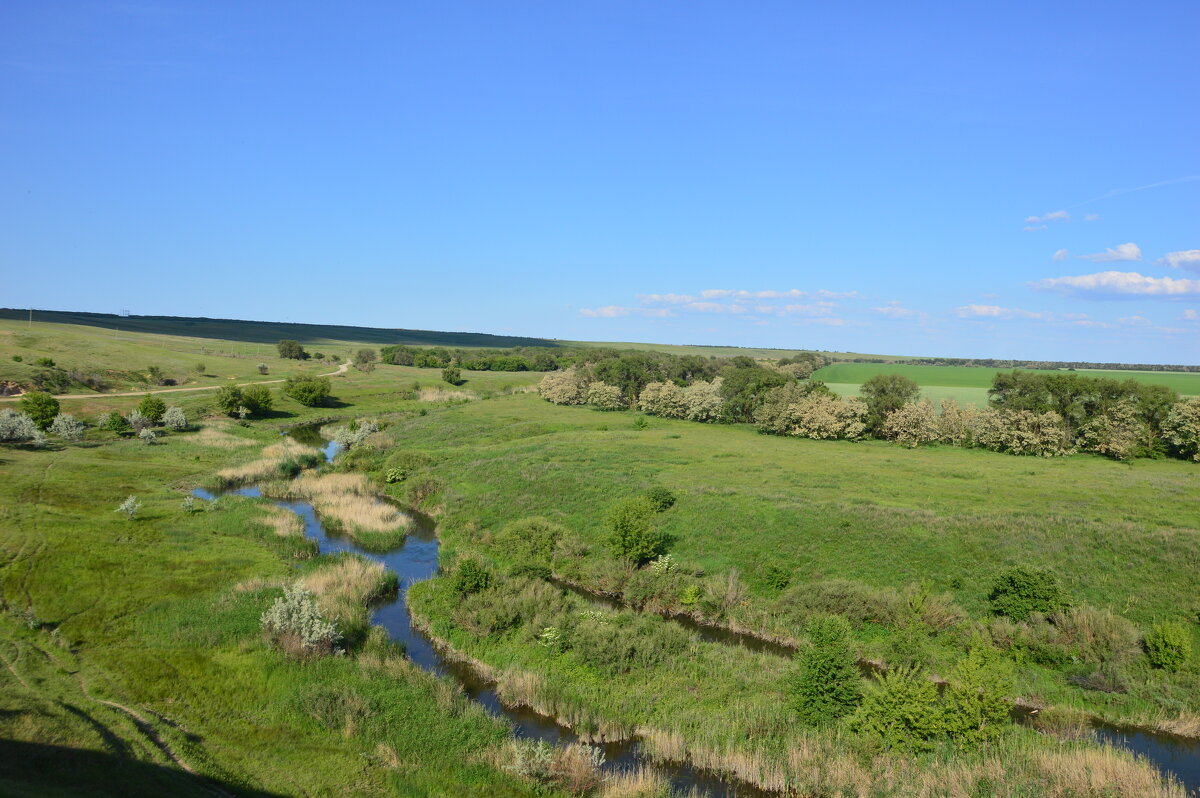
417,560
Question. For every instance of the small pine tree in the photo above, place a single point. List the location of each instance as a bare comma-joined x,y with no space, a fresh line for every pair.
901,710
976,700
824,683
471,577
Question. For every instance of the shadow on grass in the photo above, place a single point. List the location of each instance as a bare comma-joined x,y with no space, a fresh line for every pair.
45,770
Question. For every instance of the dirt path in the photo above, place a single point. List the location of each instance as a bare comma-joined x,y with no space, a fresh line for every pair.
342,369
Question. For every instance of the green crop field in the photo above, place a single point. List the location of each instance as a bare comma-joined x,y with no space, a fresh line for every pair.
978,377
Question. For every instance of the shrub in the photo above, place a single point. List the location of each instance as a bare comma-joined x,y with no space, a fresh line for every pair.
884,394
1168,646
152,408
137,421
661,499
19,428
199,368
147,436
1181,429
354,434
1019,592
308,391
1096,635
291,350
901,710
531,539
633,534
44,361
294,623
364,360
912,424
156,376
1118,432
956,423
811,415
603,396
17,358
402,465
663,399
703,401
257,399
67,427
115,422
40,407
452,375
976,700
263,368
229,399
129,508
175,419
776,577
471,577
824,684
288,469
568,387
1022,432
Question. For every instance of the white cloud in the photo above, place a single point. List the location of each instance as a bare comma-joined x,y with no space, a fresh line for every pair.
1091,217
1120,252
1134,321
1191,315
1060,254
1053,216
1029,228
616,311
997,312
670,299
896,310
715,307
1184,259
1119,284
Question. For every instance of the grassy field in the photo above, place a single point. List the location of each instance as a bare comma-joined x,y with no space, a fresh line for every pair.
130,646
975,378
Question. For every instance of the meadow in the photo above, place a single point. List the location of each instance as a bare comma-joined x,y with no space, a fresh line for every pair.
158,617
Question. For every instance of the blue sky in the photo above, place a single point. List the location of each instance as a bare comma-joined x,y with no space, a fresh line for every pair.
1015,180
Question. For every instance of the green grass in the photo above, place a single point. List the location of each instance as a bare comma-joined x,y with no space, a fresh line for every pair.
145,614
978,377
964,395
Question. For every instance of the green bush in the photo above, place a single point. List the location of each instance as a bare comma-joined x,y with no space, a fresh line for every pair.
41,407
44,361
152,408
291,349
776,577
824,683
633,533
308,391
471,577
288,469
977,698
311,459
1018,592
530,539
115,422
662,499
1168,646
229,399
452,375
402,465
901,710
257,399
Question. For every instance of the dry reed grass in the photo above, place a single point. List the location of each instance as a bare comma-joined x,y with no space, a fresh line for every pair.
283,521
640,783
219,438
440,395
347,499
346,586
287,447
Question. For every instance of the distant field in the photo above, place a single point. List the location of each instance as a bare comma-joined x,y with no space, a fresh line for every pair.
934,393
720,351
978,377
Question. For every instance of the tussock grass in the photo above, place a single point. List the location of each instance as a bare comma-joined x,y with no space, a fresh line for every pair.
217,437
347,584
444,395
283,521
348,504
640,783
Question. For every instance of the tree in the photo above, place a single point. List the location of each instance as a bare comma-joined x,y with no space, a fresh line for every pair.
263,368
67,427
471,577
19,428
901,710
567,387
258,399
229,399
364,360
884,394
1181,429
633,531
1018,592
152,408
1168,646
912,425
452,375
175,419
291,350
308,391
603,396
824,684
745,386
41,407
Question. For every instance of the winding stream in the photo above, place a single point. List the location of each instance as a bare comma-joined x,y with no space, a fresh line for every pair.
417,559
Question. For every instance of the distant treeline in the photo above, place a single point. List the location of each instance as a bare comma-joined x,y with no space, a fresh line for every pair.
1016,364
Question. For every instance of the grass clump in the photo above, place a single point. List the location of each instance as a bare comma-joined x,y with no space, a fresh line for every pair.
1019,592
